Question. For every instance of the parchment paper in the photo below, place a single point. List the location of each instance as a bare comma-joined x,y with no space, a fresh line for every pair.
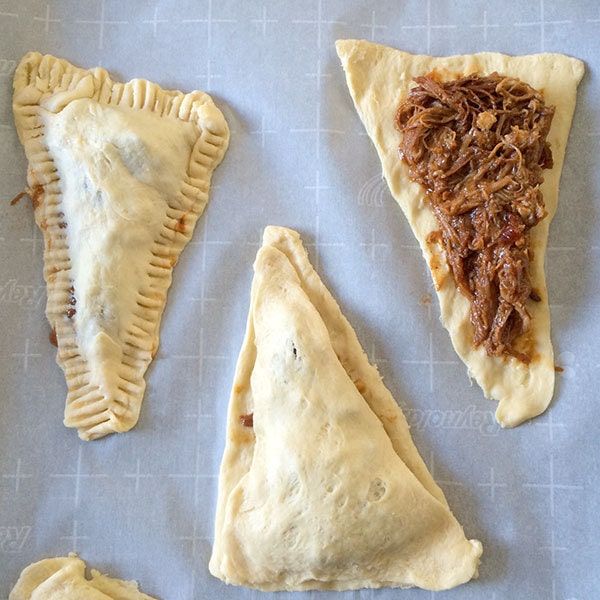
141,505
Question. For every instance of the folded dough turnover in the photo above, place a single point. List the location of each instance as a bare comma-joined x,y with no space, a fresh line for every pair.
118,174
63,578
379,78
321,486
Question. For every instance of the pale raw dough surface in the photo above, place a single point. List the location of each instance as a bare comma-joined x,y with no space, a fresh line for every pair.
379,77
63,578
120,174
327,490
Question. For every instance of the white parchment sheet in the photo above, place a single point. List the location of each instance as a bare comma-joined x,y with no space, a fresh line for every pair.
141,505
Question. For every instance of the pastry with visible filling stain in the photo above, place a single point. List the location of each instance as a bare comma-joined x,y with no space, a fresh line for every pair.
118,175
321,486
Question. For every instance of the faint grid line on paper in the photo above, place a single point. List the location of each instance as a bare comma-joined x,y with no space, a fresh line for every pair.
78,475
102,22
47,19
319,22
264,21
18,476
428,26
372,26
542,24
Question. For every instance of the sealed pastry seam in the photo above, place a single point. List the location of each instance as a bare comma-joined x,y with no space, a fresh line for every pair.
114,228
326,454
379,78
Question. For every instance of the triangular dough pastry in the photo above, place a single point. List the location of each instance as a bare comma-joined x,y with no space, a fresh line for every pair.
321,486
63,578
379,78
119,174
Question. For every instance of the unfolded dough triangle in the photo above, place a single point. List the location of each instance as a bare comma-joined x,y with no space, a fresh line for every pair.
118,174
321,486
63,578
378,78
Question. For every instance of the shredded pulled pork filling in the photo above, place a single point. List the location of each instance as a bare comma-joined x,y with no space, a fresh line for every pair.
478,147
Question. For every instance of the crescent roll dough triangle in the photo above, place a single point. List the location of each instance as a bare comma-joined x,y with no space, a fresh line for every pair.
63,578
378,78
321,486
119,174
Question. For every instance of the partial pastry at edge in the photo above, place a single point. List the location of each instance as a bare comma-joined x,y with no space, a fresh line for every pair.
63,578
118,174
321,486
516,369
